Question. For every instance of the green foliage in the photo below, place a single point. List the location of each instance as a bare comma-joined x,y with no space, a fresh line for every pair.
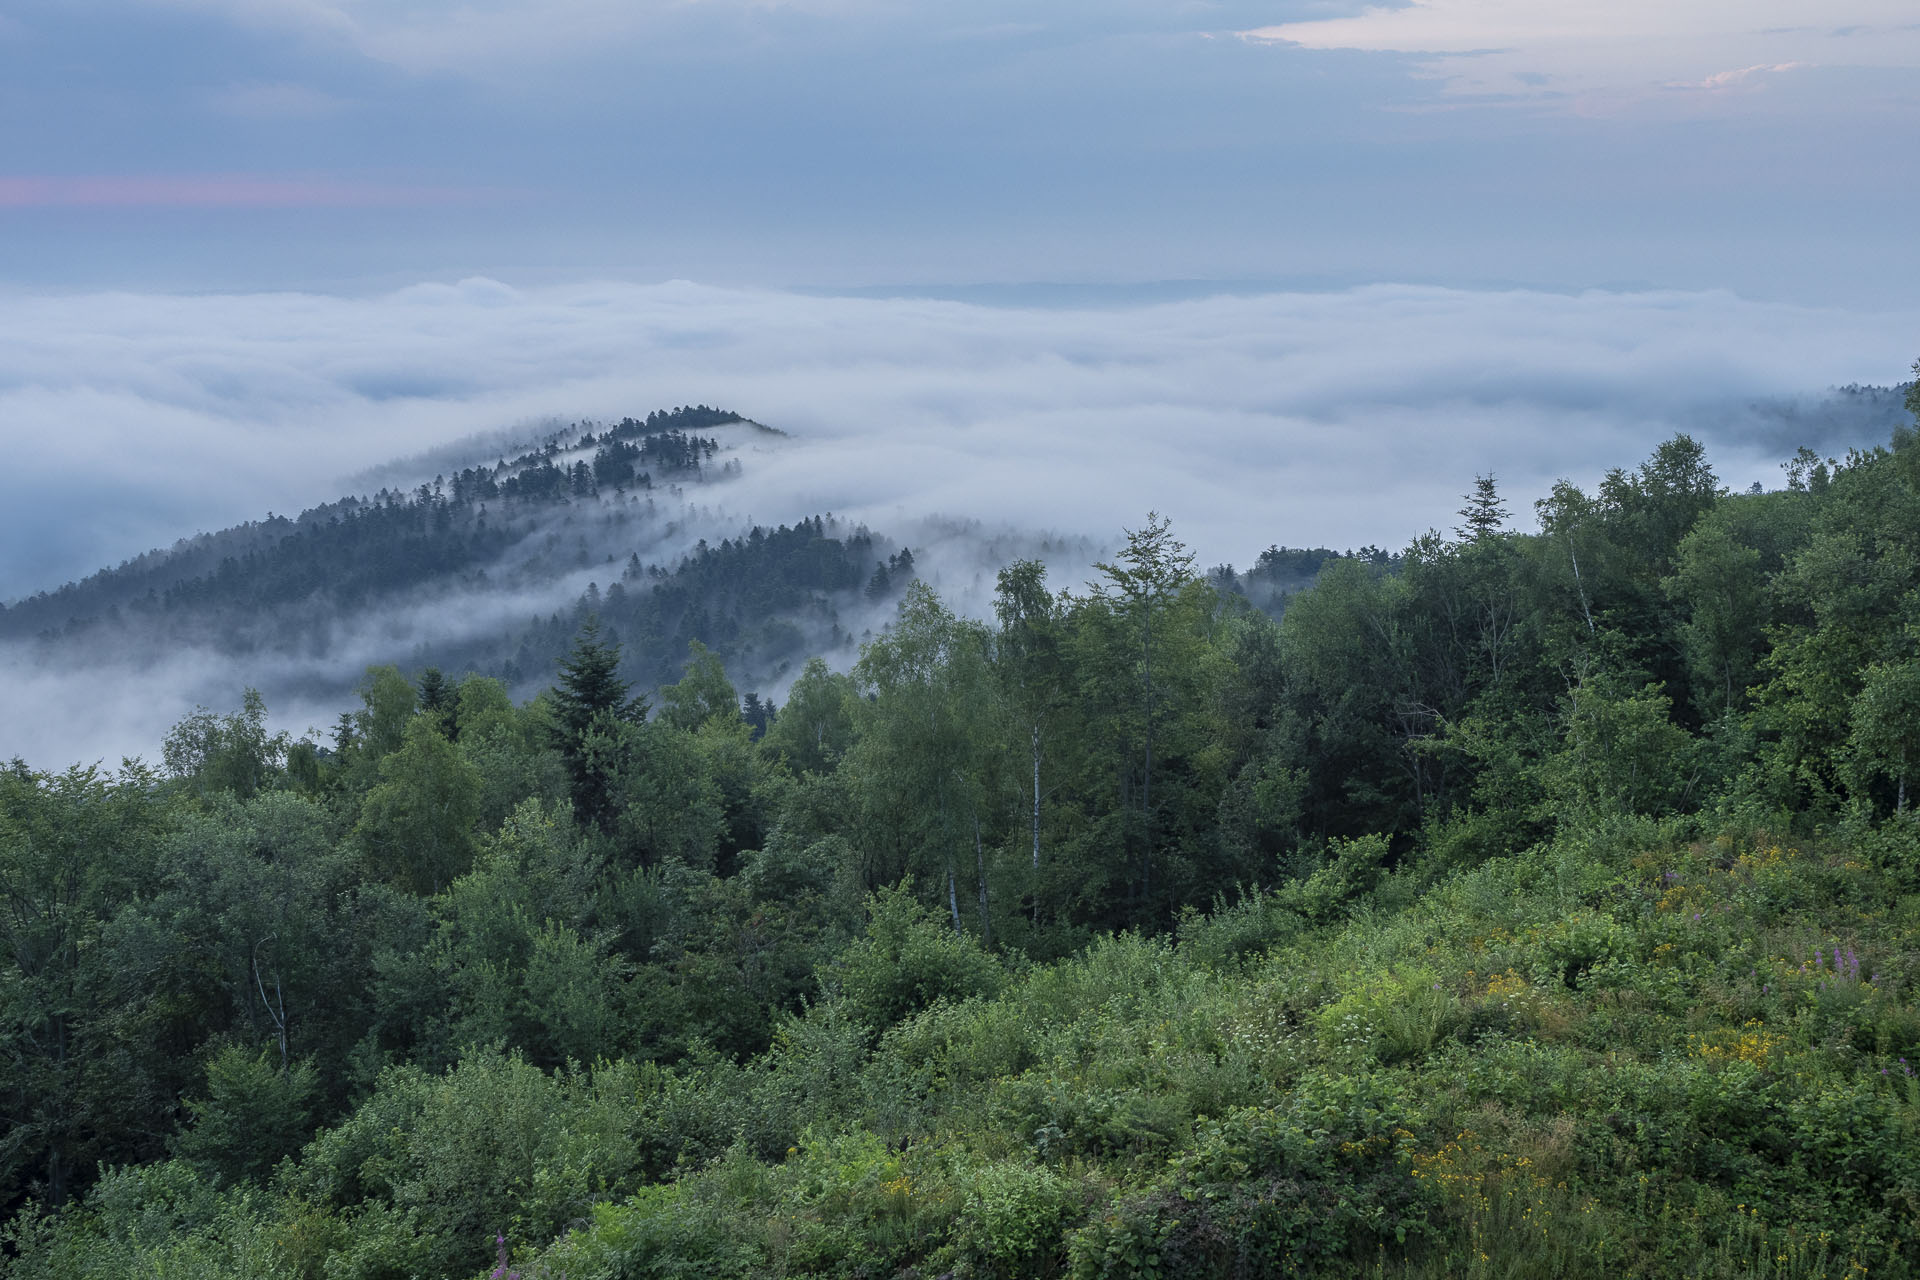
74,847
702,694
590,702
1391,1018
162,1221
1718,580
430,1168
907,961
388,702
254,1113
813,731
664,805
232,753
417,824
1352,868
1521,905
1885,713
1623,753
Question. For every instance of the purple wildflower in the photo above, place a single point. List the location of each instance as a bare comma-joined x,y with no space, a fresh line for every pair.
501,1272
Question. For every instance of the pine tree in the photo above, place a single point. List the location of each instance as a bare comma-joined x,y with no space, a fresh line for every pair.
1483,513
758,714
436,700
590,683
590,695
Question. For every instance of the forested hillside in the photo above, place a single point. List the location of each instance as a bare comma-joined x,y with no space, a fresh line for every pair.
1519,904
490,568
361,547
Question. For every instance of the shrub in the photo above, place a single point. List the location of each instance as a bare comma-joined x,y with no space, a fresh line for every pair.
1580,942
431,1168
1392,1017
1011,1219
160,1221
253,1115
908,960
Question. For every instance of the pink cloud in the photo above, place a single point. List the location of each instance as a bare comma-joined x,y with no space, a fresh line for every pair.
216,191
1739,76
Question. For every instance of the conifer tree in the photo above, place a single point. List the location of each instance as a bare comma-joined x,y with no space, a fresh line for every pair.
1483,513
436,700
590,693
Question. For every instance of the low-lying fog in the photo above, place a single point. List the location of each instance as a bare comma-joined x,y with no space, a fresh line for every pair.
1333,418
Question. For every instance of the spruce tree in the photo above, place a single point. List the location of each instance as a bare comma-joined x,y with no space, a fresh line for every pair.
436,700
1483,513
591,697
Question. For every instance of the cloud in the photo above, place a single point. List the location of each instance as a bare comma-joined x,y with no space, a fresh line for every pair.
883,142
453,36
216,191
1337,417
1300,418
1623,51
1721,80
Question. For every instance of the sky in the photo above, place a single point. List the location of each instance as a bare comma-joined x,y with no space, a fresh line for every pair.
1763,146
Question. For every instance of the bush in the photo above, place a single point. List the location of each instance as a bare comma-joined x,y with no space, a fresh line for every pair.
159,1221
1310,1187
908,960
1353,868
1011,1219
1392,1017
431,1168
253,1115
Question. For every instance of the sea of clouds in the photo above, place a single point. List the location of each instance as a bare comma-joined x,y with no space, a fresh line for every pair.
1336,418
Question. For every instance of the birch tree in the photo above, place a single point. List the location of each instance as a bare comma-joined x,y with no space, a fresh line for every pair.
1144,582
921,755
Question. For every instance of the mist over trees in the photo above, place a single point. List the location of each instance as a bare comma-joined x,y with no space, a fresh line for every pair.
491,568
1516,903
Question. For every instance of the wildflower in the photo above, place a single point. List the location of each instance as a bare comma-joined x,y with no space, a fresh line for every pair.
501,1272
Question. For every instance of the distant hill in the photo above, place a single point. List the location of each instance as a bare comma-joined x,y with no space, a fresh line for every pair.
1829,421
490,566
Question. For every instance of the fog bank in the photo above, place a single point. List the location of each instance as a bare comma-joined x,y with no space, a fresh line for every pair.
1341,418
